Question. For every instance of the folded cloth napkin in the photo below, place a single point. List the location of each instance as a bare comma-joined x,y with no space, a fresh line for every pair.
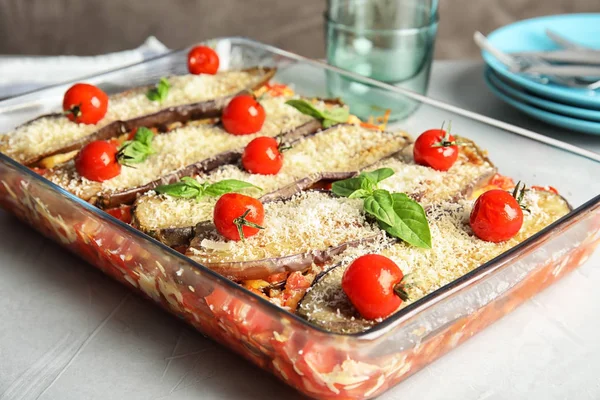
22,74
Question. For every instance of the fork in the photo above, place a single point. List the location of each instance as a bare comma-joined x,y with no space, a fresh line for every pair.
520,63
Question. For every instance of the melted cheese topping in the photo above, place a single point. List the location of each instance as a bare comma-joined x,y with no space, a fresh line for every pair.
308,222
180,148
455,252
344,148
428,185
54,132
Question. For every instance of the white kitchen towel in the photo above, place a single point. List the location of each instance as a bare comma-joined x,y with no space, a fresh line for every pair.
22,74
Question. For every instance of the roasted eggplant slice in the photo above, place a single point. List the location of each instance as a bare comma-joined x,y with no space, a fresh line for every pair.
427,185
185,151
341,150
190,97
456,251
309,228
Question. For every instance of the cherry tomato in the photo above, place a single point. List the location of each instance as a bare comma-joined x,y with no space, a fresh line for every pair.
436,148
243,115
496,216
85,103
262,156
370,283
236,212
122,213
203,60
97,161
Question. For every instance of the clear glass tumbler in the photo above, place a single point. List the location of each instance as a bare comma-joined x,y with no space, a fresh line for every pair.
388,40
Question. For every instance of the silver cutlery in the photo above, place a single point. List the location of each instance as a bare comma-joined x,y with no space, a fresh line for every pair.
521,64
582,71
566,43
586,57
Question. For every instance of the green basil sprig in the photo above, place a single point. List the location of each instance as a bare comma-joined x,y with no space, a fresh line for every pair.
190,188
137,150
396,213
328,117
160,91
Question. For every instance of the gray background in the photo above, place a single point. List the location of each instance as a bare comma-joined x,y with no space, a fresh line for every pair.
99,26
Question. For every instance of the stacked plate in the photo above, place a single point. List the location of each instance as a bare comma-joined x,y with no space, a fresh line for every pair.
576,109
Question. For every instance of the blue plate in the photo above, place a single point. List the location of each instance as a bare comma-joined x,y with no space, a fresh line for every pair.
523,96
579,125
529,35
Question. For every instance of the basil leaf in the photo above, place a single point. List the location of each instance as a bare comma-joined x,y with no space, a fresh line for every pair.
411,225
337,114
133,152
228,186
378,175
179,189
328,116
144,135
193,183
306,107
367,184
381,205
346,187
360,194
160,91
328,123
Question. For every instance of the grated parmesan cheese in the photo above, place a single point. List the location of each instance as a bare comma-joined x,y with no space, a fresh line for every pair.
455,252
430,186
53,132
180,148
342,148
310,221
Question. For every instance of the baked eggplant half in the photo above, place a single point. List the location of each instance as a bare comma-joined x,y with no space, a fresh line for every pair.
426,185
335,153
190,97
186,151
311,227
455,252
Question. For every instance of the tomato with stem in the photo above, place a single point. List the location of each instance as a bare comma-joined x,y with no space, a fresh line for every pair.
436,148
84,103
97,161
373,284
497,216
237,216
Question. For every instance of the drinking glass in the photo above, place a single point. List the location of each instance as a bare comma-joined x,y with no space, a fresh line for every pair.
388,40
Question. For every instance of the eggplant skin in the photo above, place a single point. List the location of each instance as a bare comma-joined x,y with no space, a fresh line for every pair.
160,120
128,196
260,269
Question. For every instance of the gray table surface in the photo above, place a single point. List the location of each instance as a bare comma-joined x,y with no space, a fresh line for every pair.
68,332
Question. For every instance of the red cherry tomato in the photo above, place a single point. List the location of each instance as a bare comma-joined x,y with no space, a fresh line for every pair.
436,148
235,210
262,156
97,161
496,216
243,115
369,283
123,213
85,103
203,60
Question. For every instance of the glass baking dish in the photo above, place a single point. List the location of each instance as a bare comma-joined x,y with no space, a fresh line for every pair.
318,363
